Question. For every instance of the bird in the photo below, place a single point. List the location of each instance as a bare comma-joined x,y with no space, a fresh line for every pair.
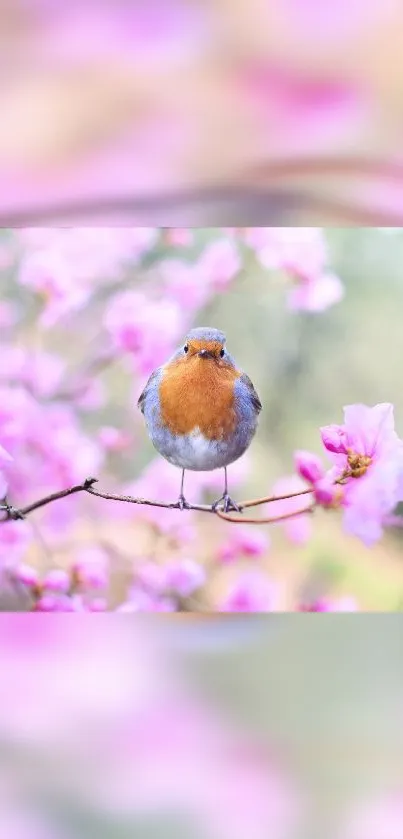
201,411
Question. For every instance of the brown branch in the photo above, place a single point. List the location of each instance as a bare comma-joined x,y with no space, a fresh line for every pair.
272,520
13,513
263,188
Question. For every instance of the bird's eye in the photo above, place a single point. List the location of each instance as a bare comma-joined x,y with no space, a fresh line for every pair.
222,353
186,348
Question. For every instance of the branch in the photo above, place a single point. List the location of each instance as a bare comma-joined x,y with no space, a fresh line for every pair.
12,513
261,191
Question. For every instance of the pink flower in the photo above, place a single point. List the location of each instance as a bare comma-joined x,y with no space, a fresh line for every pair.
220,262
315,294
334,439
184,576
91,568
146,328
27,575
139,600
367,448
15,537
244,541
56,603
327,493
114,439
184,283
298,528
4,459
342,604
302,254
309,466
251,592
57,581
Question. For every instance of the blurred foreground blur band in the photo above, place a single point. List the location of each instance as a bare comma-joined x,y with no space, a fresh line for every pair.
111,729
176,112
89,518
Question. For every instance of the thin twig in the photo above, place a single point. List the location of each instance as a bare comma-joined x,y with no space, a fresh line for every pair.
15,513
87,486
255,502
272,520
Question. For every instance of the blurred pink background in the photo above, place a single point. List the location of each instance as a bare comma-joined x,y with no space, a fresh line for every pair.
190,112
233,729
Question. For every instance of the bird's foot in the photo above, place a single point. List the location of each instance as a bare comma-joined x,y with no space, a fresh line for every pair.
227,504
182,504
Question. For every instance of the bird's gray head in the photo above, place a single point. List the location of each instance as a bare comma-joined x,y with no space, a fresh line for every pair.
205,342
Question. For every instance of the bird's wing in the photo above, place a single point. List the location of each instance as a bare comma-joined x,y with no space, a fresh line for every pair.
143,395
252,393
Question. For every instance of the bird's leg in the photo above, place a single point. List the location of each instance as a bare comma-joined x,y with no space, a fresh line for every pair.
228,503
182,503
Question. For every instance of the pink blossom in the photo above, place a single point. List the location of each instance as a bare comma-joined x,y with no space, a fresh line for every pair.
298,528
114,439
250,592
243,541
373,455
91,568
139,600
184,283
41,372
327,493
5,458
309,466
341,604
219,263
55,603
302,254
334,438
151,577
146,328
314,294
27,575
184,576
47,274
15,537
57,581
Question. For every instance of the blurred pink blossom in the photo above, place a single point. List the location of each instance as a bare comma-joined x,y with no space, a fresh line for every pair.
219,264
252,591
15,538
325,604
91,568
5,458
146,328
243,541
184,576
301,253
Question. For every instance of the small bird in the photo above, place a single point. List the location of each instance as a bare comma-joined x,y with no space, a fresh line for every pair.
201,412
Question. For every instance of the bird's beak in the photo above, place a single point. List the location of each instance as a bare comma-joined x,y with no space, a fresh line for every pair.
205,354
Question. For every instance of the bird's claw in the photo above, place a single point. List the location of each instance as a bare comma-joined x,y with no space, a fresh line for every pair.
182,504
228,505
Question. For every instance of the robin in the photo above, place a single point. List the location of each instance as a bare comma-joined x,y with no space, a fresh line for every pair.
201,412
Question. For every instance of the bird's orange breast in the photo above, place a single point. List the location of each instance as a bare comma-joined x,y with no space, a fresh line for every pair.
199,393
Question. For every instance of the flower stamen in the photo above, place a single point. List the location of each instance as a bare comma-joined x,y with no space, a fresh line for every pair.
358,463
